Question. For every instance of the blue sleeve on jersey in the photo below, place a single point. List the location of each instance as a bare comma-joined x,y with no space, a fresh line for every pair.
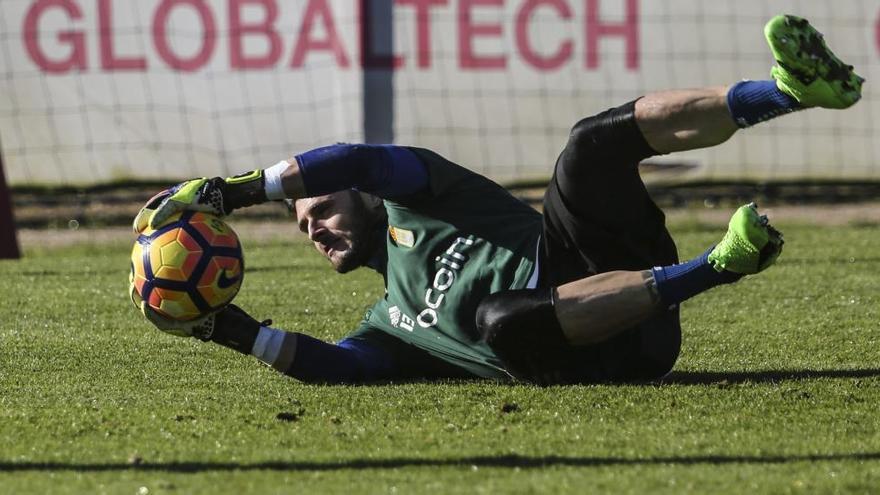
385,170
350,361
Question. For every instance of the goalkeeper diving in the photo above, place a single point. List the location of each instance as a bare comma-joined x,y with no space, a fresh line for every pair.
478,284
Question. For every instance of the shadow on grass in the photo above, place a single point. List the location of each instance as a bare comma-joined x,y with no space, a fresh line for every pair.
764,376
830,261
675,378
503,461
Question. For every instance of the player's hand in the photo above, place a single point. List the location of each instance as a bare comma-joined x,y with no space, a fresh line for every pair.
231,318
201,328
197,194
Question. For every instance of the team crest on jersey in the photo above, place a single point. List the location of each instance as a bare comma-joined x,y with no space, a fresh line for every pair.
400,319
402,237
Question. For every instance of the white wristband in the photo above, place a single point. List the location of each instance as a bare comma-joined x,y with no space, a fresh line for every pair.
274,190
276,348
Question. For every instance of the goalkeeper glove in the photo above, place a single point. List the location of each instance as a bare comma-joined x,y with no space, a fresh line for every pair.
216,196
201,328
230,327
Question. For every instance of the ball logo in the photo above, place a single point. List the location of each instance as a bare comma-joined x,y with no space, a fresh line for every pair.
218,226
224,282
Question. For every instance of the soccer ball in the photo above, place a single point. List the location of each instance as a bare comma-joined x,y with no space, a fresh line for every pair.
189,267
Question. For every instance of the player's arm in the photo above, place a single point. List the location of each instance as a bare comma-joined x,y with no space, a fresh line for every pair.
294,354
386,171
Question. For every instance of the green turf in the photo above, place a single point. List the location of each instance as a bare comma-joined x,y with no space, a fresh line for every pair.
776,391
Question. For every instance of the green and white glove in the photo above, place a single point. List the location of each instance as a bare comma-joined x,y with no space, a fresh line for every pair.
200,328
216,196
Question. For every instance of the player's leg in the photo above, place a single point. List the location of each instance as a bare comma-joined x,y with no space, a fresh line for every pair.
599,217
603,150
596,308
807,74
585,311
685,119
597,211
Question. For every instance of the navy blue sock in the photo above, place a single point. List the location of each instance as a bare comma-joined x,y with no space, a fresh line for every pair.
677,283
751,102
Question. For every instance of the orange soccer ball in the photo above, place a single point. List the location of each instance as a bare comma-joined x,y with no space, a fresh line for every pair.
189,267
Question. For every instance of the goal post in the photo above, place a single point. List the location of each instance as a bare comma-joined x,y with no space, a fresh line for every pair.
8,240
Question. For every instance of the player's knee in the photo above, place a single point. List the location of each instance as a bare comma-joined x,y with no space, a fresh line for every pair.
664,366
493,317
655,366
660,344
589,141
582,134
591,130
519,319
612,133
661,364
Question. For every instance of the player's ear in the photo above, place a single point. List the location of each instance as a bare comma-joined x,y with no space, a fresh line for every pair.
372,202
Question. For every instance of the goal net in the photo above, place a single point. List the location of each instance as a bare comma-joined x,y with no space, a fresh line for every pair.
99,90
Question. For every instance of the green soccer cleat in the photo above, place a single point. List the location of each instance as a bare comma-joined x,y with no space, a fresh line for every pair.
750,244
807,70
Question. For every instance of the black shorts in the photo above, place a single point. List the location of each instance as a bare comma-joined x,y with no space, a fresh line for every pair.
598,217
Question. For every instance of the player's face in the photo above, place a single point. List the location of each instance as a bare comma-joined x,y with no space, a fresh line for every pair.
339,225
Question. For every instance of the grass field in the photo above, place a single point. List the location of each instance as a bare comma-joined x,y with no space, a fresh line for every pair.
776,391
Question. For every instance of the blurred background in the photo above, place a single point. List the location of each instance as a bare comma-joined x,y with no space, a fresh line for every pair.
104,102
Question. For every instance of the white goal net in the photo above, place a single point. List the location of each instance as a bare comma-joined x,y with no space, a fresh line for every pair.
99,90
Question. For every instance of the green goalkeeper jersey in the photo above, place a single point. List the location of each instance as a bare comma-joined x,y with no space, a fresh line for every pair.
448,248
